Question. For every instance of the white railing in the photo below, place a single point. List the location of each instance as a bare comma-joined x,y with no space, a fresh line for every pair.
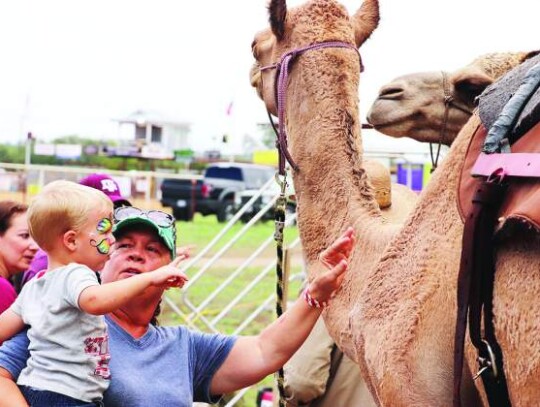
143,186
196,312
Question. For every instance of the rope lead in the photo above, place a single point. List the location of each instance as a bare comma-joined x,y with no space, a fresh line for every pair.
281,204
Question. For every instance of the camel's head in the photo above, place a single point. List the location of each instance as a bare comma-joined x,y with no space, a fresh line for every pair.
313,22
413,105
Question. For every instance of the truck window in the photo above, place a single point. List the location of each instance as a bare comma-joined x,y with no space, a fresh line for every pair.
257,177
224,172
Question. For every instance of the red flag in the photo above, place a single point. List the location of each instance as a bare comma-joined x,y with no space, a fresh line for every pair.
229,109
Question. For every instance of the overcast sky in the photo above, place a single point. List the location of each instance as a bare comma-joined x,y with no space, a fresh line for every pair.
70,66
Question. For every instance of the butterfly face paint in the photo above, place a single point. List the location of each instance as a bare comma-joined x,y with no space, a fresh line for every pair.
103,247
104,226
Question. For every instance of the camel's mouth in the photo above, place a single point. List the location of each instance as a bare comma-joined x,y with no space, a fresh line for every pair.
384,118
255,75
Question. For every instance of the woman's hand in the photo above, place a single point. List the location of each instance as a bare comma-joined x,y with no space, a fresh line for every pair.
336,259
339,250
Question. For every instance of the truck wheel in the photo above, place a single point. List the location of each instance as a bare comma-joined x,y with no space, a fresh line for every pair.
226,212
182,214
245,218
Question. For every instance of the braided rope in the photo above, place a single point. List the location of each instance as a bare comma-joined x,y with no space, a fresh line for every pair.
278,237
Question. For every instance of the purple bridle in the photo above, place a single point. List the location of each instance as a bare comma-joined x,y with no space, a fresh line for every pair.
282,73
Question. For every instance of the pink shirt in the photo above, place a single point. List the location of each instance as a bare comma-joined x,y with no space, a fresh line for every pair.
7,294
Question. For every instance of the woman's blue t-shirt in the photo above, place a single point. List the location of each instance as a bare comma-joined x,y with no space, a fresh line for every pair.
166,366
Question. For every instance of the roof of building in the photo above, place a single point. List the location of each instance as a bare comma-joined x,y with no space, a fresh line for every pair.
143,117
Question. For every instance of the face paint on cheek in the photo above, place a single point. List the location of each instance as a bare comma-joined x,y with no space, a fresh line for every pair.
104,226
103,246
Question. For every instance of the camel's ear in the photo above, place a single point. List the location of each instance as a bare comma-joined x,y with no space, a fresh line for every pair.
530,54
278,13
365,20
470,82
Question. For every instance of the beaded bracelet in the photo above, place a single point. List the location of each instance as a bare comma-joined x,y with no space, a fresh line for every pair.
312,302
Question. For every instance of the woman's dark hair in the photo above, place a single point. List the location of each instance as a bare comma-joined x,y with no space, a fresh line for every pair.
7,210
157,311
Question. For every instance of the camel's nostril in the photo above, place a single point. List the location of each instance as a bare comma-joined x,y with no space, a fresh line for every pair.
391,92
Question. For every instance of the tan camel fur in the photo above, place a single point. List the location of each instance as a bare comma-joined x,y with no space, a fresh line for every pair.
413,105
395,313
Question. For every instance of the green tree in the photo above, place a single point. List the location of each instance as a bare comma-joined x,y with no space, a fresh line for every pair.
12,153
268,136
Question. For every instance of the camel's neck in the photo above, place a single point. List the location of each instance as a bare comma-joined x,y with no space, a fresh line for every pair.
324,137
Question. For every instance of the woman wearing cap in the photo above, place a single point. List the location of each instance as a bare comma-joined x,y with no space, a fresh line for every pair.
99,181
17,248
152,365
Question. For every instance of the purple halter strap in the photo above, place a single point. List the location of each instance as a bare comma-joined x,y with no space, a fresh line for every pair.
282,73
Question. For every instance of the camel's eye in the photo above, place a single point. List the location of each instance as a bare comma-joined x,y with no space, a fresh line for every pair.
254,49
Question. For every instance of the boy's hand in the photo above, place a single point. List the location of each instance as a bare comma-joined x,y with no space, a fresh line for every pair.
169,276
185,250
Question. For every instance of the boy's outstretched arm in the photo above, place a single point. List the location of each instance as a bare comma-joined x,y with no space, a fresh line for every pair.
11,396
102,299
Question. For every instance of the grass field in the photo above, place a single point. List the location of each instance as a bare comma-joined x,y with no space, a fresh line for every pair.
202,230
198,233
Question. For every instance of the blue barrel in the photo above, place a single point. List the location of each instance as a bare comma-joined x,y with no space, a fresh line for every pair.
411,175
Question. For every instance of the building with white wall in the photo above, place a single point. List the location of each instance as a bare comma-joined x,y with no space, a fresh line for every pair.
155,134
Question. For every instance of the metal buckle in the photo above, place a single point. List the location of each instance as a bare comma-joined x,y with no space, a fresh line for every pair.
281,182
486,363
280,206
497,177
281,202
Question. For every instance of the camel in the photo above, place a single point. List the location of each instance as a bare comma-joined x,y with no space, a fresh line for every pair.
413,105
395,312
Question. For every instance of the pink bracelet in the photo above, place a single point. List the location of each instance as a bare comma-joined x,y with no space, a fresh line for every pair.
312,302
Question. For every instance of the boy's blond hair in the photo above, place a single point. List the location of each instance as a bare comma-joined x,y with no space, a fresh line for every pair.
62,206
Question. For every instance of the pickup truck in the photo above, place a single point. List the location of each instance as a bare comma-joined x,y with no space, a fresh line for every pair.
215,193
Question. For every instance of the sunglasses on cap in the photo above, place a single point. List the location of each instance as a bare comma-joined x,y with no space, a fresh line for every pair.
160,218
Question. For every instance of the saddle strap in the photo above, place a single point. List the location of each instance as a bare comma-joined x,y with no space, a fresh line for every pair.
475,292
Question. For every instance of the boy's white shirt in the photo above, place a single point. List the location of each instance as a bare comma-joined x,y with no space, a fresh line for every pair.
69,350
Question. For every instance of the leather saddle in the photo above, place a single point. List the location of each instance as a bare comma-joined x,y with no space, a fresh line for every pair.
498,193
521,206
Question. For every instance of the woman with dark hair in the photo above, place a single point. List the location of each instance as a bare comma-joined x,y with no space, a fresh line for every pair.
17,248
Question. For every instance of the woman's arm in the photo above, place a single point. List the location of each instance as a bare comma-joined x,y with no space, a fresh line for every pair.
11,396
255,357
10,325
13,356
307,373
